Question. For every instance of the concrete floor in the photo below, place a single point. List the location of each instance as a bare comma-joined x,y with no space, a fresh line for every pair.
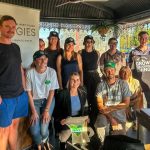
144,135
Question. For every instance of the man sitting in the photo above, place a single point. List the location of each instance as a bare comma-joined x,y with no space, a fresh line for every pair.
113,96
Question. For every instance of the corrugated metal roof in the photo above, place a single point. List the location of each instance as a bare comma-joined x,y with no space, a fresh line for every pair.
110,10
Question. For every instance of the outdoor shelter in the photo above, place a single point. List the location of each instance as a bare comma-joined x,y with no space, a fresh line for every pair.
88,11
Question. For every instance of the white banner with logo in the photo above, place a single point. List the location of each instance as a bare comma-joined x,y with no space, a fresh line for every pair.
27,32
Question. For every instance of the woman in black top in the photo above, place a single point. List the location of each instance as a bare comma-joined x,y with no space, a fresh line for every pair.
90,60
69,62
53,49
72,102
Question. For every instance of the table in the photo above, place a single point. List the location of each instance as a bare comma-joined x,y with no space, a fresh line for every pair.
143,118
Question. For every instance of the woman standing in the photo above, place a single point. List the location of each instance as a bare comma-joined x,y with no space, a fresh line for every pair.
90,59
69,62
41,81
53,49
73,102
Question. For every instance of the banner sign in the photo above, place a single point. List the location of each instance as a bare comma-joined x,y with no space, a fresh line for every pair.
27,32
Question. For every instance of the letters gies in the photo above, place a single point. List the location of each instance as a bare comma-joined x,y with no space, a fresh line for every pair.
25,31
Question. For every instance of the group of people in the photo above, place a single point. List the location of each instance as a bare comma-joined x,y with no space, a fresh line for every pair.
67,83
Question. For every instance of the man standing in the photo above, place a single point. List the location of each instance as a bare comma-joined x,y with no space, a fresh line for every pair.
139,61
13,99
112,54
113,96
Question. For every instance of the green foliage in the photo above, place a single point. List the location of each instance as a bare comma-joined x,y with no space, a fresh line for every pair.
129,38
104,25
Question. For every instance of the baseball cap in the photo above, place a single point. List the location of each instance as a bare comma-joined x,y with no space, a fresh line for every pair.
109,64
53,33
69,40
88,37
38,54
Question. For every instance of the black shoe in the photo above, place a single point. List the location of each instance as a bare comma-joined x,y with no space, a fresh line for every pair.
62,145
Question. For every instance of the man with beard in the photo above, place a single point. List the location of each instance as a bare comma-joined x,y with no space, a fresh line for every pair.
113,96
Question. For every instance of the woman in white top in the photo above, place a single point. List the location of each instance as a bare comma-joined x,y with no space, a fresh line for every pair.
41,81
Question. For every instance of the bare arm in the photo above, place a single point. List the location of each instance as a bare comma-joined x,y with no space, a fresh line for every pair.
23,77
102,64
31,103
46,116
34,116
0,99
123,105
106,110
79,59
49,99
58,65
103,109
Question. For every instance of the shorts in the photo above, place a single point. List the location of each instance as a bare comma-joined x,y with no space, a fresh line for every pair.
12,108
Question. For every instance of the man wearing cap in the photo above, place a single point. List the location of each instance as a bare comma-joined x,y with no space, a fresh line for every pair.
68,63
113,96
90,60
113,55
13,99
53,49
41,81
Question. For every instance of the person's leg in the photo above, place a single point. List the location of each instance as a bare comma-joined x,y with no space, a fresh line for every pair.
102,127
20,109
44,127
13,134
4,132
35,128
7,108
63,137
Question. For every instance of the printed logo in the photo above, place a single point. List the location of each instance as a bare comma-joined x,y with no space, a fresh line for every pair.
47,82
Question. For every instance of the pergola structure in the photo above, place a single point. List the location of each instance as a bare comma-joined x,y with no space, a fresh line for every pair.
88,11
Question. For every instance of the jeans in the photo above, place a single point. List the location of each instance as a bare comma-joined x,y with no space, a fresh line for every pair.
39,130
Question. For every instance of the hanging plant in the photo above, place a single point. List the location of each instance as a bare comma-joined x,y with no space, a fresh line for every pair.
104,27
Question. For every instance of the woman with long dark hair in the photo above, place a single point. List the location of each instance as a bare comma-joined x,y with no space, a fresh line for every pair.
53,49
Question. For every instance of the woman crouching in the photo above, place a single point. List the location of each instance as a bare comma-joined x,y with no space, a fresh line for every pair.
72,103
41,81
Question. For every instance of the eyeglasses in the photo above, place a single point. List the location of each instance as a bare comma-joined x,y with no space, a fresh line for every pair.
115,43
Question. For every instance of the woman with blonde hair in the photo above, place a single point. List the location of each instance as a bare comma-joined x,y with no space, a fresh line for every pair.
69,62
41,81
136,92
72,102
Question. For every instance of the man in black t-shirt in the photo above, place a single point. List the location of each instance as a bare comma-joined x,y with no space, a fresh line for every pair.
13,99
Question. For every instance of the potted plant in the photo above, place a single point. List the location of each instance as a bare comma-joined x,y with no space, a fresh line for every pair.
104,27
